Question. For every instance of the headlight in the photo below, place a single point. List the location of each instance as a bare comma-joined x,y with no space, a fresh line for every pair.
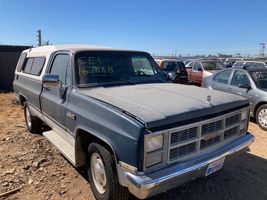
244,115
154,142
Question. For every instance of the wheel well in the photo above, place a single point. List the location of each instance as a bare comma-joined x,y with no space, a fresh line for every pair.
22,100
83,139
257,106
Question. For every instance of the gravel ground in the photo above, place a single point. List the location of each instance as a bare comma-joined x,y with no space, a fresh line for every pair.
36,170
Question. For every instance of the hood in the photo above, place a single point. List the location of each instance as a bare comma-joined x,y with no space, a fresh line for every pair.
166,103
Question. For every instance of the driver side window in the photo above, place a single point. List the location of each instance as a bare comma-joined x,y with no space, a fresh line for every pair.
240,78
60,67
222,77
197,66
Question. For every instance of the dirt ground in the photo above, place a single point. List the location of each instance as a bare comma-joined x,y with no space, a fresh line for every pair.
32,165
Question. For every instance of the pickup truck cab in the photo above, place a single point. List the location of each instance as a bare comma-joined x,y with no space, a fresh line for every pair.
113,112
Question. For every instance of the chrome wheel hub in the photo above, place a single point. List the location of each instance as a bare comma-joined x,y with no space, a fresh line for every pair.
98,173
28,117
263,117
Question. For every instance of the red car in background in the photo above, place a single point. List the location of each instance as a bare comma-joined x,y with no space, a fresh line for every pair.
199,69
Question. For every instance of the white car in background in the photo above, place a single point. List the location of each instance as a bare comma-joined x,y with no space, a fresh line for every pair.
229,62
250,63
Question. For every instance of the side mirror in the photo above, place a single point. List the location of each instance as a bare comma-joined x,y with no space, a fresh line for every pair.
50,80
199,69
244,85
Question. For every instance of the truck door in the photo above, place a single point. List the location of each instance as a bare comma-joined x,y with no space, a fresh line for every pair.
197,73
54,99
189,70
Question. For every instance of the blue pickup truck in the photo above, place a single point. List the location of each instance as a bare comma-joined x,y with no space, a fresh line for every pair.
113,112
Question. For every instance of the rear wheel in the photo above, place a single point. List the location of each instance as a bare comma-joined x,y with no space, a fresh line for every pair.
102,174
33,123
261,117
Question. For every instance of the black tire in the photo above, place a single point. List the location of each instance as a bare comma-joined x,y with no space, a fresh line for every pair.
35,124
262,110
113,190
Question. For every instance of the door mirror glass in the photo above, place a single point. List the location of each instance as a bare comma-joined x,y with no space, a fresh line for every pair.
50,80
199,69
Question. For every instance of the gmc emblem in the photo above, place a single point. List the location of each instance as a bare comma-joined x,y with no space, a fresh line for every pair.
211,135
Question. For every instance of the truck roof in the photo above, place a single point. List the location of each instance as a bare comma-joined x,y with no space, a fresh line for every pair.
169,59
48,49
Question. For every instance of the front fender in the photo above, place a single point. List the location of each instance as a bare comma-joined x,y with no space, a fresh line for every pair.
120,131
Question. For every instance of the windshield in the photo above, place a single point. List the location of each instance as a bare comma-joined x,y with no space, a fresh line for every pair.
115,67
210,65
260,79
173,65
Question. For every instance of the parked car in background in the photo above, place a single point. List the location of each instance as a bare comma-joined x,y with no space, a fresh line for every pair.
173,69
201,69
250,63
229,62
262,59
249,82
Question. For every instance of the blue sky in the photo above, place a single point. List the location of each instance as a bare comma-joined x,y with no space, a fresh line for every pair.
160,27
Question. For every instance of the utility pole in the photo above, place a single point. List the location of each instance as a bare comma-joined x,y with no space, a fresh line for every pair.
262,48
39,36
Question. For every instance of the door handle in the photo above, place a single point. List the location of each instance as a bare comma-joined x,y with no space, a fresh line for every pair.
230,89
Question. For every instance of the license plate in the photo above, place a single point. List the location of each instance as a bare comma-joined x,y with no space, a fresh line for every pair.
215,166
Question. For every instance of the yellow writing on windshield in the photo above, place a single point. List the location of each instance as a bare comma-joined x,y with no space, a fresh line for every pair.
85,70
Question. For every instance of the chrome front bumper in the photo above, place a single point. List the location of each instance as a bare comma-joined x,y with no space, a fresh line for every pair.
149,184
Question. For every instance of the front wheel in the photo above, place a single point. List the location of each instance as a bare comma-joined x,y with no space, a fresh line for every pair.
261,117
102,175
33,123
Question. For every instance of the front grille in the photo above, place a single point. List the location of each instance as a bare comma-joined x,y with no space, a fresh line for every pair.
183,150
231,132
232,120
210,142
183,135
213,126
202,136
